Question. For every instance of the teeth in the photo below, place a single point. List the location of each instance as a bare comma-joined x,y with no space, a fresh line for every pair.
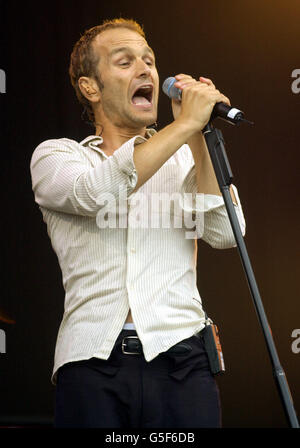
145,88
143,91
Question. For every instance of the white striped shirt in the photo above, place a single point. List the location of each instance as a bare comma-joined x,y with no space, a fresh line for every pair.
107,271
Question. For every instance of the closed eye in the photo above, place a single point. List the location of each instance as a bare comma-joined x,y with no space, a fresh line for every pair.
149,61
125,63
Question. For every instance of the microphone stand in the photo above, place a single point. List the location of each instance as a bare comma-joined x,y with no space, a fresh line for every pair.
215,144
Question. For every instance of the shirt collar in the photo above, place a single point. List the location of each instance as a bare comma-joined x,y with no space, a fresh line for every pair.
93,141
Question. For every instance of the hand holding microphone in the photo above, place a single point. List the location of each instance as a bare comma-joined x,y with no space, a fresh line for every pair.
201,101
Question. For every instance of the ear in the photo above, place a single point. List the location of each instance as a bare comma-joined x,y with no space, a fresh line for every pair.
89,89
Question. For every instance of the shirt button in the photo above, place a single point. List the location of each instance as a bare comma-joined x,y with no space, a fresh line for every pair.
132,250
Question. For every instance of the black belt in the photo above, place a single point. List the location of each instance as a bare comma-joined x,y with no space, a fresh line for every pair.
131,345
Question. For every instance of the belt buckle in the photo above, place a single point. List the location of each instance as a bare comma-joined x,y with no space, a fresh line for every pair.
124,345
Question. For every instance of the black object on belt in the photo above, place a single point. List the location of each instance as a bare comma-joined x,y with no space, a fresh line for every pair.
131,345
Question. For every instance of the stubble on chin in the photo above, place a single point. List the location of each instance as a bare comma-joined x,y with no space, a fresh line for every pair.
133,120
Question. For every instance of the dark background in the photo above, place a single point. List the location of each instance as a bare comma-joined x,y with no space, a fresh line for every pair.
249,49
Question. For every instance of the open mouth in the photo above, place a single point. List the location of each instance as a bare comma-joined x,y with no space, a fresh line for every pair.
143,96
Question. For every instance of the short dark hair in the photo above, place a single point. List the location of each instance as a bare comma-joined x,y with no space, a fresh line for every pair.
83,61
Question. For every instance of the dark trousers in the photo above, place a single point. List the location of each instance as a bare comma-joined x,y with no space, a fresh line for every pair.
126,391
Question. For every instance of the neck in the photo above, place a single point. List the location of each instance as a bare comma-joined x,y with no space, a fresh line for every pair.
115,136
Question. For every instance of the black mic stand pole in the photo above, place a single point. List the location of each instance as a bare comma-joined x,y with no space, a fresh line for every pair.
215,144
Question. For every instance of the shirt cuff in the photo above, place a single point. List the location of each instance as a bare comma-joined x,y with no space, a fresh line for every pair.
124,158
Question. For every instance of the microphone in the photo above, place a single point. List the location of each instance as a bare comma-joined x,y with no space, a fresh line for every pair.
221,110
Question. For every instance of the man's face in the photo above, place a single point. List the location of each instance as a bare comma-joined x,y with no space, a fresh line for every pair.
127,70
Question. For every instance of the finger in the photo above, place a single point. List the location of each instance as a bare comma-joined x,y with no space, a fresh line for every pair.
225,100
184,82
181,76
206,81
197,86
183,79
220,97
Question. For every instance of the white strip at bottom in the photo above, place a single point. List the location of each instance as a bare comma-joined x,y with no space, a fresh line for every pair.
129,326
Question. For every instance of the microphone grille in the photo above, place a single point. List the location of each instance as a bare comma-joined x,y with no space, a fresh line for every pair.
167,84
170,90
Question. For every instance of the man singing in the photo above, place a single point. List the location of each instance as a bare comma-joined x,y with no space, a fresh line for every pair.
129,351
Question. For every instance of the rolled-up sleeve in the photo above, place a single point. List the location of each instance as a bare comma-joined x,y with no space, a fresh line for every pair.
64,180
214,225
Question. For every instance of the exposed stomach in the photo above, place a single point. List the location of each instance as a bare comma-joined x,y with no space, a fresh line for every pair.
129,317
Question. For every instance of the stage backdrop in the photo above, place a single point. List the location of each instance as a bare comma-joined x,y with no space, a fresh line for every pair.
251,51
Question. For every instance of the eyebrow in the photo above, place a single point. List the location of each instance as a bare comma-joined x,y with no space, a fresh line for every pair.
129,50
